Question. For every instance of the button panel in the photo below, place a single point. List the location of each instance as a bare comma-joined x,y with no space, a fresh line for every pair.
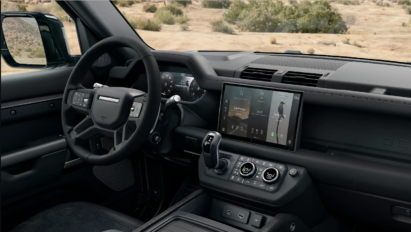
136,109
256,180
81,99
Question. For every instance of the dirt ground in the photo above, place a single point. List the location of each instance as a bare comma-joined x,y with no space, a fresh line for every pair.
378,33
378,29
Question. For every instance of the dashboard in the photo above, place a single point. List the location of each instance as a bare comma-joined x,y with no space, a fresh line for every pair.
182,84
354,124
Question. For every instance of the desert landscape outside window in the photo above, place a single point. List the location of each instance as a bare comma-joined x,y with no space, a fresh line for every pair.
25,42
363,29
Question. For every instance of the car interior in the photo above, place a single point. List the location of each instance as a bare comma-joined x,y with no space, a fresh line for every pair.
128,138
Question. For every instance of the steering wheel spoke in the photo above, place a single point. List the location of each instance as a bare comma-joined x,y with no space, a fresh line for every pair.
84,129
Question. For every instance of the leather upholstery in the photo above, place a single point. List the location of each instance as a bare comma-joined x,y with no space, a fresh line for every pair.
79,216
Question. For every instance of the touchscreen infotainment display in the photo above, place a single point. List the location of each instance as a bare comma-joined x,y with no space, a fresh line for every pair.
260,115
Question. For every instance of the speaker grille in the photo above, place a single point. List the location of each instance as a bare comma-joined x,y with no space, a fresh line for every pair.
117,176
102,61
300,62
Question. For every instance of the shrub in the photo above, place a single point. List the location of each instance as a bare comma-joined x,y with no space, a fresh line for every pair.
182,19
349,2
233,14
22,7
38,53
273,40
304,17
216,4
11,6
183,3
28,49
219,25
404,2
175,10
134,23
258,20
357,45
164,16
311,51
350,19
8,6
16,54
326,42
184,27
346,41
148,7
408,10
382,4
404,24
146,24
124,3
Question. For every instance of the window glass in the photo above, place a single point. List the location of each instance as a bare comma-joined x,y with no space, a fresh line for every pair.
364,29
44,6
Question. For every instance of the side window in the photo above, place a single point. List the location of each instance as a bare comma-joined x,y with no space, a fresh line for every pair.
45,6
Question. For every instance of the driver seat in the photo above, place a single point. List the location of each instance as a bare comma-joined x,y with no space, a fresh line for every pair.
79,216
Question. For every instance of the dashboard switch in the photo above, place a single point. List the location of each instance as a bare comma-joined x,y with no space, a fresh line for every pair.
270,175
257,220
247,169
271,188
293,172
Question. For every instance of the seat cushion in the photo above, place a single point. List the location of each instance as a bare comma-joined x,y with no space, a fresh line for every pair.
79,216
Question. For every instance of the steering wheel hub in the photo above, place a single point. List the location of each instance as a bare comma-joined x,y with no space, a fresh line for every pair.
111,106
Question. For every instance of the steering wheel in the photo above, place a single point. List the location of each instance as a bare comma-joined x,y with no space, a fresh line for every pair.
124,114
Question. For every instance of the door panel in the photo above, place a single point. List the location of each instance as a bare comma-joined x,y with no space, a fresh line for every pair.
25,86
33,150
31,123
37,169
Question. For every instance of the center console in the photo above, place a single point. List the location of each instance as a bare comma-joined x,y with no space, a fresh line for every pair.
246,189
201,212
257,116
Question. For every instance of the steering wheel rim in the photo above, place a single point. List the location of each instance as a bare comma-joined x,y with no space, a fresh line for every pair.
108,117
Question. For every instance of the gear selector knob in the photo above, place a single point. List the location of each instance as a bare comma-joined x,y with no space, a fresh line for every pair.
210,146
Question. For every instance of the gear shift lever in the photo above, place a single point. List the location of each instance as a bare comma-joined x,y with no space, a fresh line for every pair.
211,156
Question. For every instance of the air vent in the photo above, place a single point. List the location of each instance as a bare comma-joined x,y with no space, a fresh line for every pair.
257,74
300,78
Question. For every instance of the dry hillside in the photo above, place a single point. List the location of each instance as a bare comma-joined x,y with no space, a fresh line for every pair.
375,32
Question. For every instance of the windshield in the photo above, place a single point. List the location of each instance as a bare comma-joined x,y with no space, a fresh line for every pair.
363,29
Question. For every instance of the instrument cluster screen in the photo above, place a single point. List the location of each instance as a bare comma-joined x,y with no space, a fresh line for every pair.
182,84
260,115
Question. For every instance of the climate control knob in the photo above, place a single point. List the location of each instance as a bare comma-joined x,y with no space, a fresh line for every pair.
247,169
270,175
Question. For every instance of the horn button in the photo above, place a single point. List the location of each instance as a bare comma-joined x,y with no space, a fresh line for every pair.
111,107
